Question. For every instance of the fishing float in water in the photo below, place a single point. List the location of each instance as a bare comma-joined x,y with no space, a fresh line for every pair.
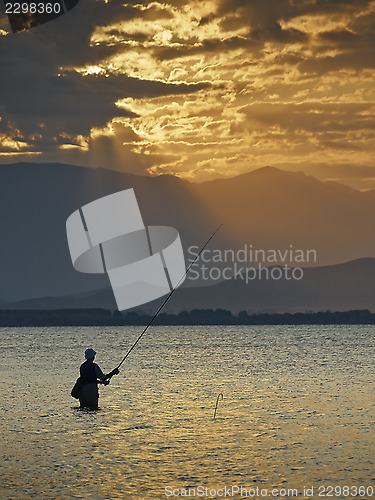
217,402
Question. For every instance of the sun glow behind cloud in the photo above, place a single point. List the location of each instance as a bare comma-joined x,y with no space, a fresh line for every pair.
227,87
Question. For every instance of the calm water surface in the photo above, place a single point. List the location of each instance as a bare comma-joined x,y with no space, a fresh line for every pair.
298,411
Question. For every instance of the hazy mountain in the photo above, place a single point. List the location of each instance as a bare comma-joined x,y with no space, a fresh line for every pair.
337,288
36,200
271,208
267,208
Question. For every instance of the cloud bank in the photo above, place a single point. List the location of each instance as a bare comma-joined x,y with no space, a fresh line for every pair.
201,89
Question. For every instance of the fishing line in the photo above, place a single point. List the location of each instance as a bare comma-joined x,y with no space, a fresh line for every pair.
217,402
169,296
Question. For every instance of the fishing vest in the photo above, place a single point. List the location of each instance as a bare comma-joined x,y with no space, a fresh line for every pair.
88,374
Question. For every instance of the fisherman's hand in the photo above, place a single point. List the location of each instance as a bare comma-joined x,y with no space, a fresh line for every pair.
113,372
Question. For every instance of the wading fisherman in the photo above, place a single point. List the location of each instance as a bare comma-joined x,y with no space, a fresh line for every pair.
90,374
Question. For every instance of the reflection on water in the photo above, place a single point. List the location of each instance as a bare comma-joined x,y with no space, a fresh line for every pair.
297,411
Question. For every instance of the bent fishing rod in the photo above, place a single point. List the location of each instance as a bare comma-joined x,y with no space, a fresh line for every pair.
168,297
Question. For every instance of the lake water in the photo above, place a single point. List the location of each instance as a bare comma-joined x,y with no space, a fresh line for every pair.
297,412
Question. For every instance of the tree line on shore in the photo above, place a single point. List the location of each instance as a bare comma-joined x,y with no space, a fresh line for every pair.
106,317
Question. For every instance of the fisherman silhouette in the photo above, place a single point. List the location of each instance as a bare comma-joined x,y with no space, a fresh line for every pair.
90,374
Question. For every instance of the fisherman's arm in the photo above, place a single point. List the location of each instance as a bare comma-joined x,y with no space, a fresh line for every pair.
110,374
105,378
98,372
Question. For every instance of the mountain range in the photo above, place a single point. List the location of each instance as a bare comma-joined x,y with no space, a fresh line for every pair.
267,208
341,287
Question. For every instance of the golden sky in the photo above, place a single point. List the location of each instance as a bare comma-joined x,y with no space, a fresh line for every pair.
199,89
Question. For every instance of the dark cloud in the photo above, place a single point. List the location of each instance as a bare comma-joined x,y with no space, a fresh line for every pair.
290,59
354,60
364,23
267,13
355,46
214,45
32,92
342,37
324,7
74,103
264,19
257,15
125,37
279,60
312,117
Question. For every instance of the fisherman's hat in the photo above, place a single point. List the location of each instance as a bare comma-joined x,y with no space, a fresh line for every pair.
89,353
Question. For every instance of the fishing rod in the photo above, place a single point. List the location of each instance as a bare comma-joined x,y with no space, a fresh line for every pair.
168,297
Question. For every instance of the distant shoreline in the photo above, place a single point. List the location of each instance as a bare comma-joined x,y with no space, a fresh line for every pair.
105,317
